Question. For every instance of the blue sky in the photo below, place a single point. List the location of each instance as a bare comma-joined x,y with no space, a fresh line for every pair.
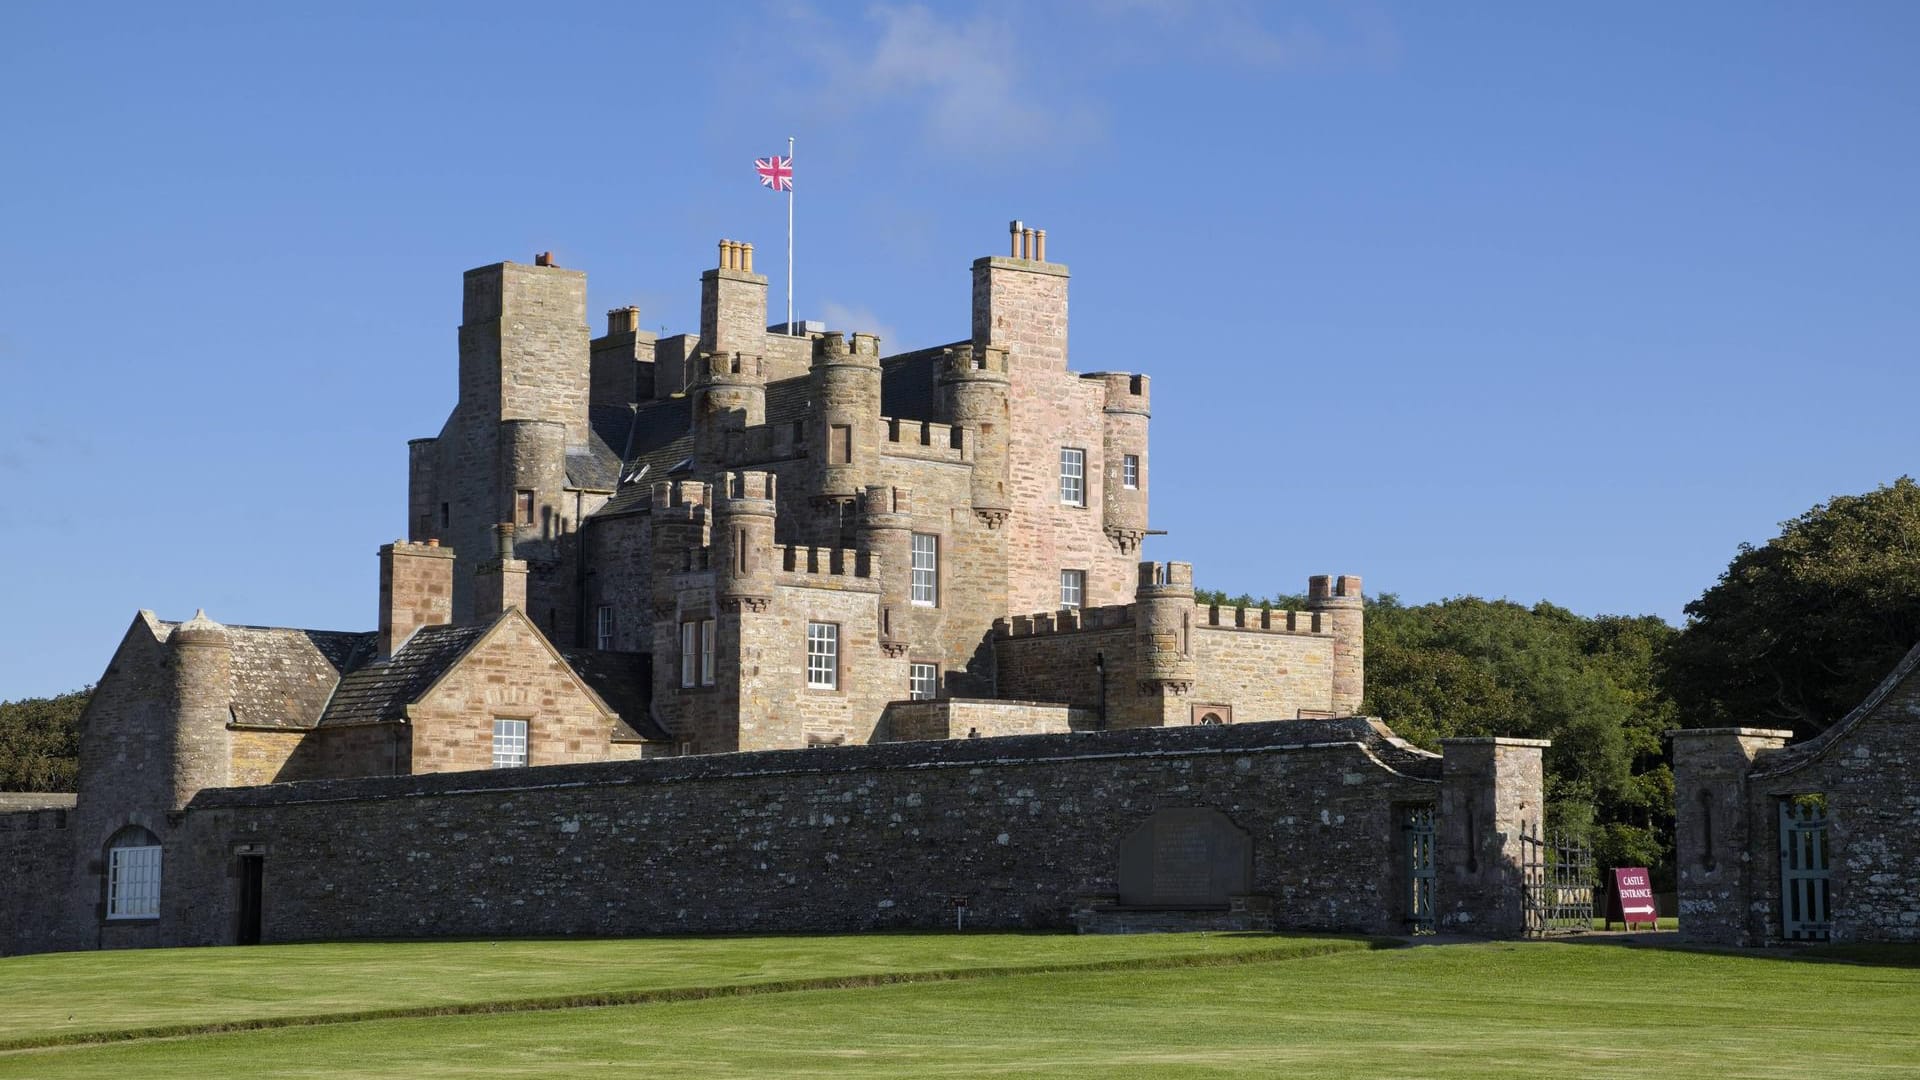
1498,299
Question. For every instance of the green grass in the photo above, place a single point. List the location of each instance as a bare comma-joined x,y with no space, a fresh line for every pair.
73,996
1441,1011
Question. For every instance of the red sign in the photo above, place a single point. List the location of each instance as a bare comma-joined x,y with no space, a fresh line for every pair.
1630,900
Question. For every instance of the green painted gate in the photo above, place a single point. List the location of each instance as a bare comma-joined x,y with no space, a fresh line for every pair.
1804,881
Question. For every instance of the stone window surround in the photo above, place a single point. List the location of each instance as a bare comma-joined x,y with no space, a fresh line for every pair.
932,672
1130,471
823,663
516,733
1073,476
137,865
696,653
1073,589
926,589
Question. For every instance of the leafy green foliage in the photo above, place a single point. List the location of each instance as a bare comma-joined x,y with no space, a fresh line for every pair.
39,742
1799,630
1470,667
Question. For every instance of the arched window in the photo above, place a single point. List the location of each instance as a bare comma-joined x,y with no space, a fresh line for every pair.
133,874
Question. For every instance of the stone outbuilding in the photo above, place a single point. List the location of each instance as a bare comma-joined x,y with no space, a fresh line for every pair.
1813,841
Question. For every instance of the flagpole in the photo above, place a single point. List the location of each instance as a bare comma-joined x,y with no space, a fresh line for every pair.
790,329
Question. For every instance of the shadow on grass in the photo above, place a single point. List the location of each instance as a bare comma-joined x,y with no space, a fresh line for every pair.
1863,954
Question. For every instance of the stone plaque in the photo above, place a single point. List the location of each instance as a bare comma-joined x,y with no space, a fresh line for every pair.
1188,857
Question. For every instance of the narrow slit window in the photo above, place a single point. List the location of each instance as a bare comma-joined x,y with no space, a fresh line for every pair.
706,652
603,627
523,507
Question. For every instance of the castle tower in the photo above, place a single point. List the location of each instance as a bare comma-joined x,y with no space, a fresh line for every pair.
743,542
729,397
846,433
733,303
1123,506
524,347
886,531
202,751
1343,610
973,381
1163,641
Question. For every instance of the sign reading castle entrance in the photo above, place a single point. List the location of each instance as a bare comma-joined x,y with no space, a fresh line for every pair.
1185,857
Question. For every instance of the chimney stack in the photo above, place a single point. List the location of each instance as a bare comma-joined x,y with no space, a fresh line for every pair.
416,590
501,583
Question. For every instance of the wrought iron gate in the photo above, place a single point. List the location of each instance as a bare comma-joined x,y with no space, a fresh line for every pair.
1558,875
1803,868
1416,832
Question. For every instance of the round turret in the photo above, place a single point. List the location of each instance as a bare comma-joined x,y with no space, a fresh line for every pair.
1163,627
1123,504
743,519
847,391
886,532
974,382
201,752
1343,613
729,395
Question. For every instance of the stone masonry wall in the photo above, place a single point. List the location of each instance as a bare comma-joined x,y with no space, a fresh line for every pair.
1262,675
37,851
845,838
962,718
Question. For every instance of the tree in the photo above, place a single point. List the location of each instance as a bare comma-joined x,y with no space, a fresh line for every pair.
40,742
1799,630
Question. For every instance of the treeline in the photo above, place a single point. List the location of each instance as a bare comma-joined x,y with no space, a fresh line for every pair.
40,742
1795,633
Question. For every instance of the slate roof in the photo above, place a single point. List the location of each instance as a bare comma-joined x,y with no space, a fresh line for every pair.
625,682
909,384
382,690
282,677
596,466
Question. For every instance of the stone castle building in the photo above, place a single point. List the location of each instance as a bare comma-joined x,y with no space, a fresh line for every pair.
756,538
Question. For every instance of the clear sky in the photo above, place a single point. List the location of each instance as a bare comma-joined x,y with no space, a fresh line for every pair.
1497,299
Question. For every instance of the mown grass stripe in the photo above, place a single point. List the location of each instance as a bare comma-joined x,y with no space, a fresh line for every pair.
657,995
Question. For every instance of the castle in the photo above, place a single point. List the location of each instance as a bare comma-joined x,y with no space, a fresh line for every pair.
758,538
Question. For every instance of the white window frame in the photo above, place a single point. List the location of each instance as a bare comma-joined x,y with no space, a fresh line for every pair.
603,627
1073,476
1073,589
926,570
706,652
923,681
689,653
1130,471
133,882
509,743
823,656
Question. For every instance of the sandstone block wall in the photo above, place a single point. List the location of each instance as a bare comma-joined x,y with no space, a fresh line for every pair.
961,718
509,675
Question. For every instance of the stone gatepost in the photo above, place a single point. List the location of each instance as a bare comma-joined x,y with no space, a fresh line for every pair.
1713,830
1489,789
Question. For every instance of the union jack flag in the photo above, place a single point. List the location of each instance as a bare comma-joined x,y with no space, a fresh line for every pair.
776,172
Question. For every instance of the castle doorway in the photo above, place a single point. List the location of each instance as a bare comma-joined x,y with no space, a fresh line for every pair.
252,879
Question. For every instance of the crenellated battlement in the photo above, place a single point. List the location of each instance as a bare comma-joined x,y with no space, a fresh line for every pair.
973,360
834,347
676,494
1261,620
926,439
1166,575
885,499
834,562
731,367
751,484
1126,391
1064,621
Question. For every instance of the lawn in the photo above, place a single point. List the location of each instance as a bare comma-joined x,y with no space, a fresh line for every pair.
1439,1011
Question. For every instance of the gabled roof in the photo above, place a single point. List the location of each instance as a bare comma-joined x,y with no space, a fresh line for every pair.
382,690
1806,753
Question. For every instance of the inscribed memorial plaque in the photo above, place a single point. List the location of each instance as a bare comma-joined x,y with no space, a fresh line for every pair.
1185,857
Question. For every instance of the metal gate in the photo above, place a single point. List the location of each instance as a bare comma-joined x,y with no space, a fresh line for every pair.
1803,868
1416,833
1558,875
